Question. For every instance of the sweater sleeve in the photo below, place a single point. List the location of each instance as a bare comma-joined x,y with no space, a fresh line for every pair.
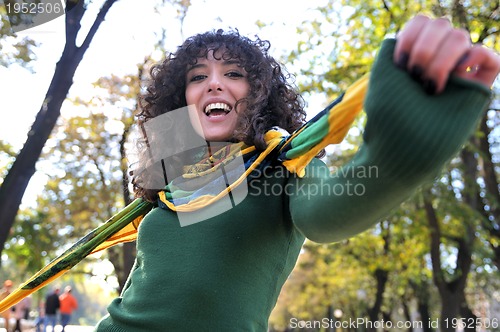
409,136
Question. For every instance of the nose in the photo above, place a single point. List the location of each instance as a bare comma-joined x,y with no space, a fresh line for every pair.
214,84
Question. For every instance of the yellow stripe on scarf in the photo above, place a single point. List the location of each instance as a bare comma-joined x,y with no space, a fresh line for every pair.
340,119
126,234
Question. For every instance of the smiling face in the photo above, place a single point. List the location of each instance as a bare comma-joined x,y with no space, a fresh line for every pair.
213,87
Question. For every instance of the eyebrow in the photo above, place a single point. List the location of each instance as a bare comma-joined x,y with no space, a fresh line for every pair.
224,63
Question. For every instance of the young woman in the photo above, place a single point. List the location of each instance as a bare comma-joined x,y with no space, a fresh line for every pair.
225,271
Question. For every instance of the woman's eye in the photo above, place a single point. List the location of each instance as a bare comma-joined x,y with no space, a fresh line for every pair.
197,78
234,74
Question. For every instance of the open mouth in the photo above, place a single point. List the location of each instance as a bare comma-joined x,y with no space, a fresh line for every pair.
217,109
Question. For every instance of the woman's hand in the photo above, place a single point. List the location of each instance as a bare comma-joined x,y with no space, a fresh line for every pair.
431,50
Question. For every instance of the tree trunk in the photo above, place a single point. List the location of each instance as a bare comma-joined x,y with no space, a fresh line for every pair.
381,276
16,181
407,313
124,262
421,291
469,316
423,309
452,293
493,194
449,311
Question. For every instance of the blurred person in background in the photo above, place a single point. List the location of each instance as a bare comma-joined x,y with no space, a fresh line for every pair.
68,304
21,312
52,305
7,286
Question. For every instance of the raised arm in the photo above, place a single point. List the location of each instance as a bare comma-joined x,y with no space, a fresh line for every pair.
419,115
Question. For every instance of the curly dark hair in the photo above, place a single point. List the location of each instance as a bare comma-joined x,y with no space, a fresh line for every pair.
272,100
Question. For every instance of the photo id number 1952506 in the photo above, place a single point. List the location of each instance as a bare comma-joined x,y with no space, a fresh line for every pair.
34,8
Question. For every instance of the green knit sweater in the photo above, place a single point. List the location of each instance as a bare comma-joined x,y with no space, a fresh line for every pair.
225,273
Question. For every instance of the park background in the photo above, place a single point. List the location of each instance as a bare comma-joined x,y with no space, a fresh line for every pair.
435,257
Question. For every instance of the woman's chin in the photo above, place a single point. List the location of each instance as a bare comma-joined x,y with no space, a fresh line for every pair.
218,139
217,136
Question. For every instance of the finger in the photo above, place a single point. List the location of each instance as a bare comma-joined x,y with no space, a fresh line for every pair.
406,39
427,45
481,65
451,49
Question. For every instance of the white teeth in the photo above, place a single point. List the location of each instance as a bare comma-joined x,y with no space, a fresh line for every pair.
220,106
